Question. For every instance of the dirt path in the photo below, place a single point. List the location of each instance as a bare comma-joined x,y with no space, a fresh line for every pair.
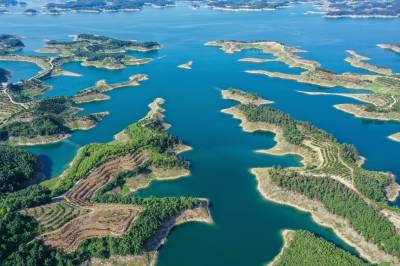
5,91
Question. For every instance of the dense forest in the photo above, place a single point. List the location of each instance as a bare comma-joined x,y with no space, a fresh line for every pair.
45,125
305,249
16,168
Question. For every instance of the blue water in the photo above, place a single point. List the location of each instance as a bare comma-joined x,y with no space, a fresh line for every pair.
247,227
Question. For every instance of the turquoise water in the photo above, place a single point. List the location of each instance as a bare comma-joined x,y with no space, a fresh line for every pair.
247,227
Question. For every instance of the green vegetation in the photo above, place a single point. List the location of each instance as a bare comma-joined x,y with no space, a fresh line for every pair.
53,117
16,168
249,95
340,200
29,197
305,248
272,116
41,126
155,217
144,135
26,90
15,229
143,228
101,51
152,218
53,105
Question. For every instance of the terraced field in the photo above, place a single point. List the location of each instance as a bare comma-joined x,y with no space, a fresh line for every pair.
54,215
103,220
82,192
332,160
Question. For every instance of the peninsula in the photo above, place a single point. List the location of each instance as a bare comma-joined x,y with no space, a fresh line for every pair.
331,185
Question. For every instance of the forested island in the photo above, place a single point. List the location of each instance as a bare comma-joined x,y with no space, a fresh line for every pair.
382,104
94,216
331,184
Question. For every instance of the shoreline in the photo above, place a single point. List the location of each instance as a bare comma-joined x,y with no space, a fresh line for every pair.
287,236
187,216
229,94
356,111
40,141
281,148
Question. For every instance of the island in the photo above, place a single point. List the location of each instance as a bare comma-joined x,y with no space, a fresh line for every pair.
381,104
331,184
90,213
187,65
305,248
100,51
395,137
392,47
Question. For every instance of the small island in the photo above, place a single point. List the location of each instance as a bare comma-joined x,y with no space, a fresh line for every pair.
305,248
331,184
187,66
395,137
392,47
94,214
